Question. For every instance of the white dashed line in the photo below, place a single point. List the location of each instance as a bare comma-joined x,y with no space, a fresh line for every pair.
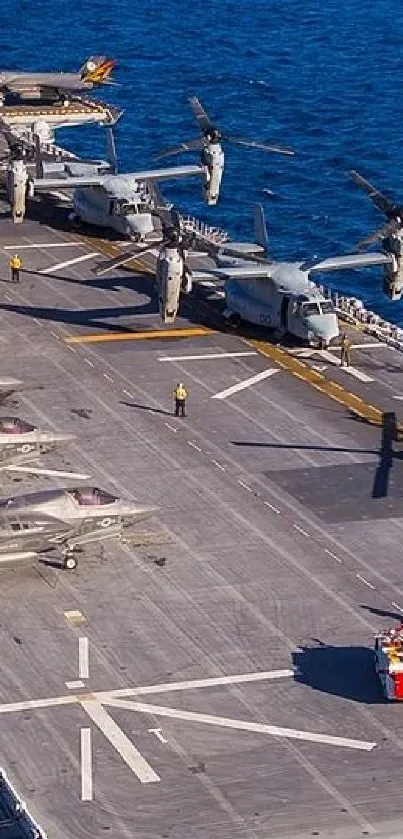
193,445
300,530
171,428
71,348
130,395
38,322
7,296
366,583
106,376
245,486
337,558
55,335
272,507
396,605
218,465
87,361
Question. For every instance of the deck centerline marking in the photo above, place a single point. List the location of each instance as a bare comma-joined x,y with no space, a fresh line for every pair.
86,764
83,658
83,258
154,334
259,377
206,357
44,245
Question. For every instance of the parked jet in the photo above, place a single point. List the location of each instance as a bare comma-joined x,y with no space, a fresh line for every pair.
51,86
8,386
21,442
62,520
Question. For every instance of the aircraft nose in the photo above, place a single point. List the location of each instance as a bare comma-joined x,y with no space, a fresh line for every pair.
51,438
137,513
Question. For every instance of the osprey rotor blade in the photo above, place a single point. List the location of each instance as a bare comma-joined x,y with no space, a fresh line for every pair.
382,233
201,115
380,200
256,144
118,261
190,145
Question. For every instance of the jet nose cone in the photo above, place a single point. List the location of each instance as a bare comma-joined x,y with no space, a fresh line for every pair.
55,438
139,512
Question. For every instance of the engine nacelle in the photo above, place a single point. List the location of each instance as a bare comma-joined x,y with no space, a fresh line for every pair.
212,160
169,275
393,277
17,179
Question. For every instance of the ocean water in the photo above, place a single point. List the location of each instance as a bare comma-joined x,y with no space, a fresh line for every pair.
323,77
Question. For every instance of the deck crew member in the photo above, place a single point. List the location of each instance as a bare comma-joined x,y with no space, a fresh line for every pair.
180,396
345,344
15,264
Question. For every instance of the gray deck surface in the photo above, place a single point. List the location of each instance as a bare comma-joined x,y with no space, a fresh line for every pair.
270,553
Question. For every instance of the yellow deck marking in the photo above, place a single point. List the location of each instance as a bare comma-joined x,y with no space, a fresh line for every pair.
75,617
151,334
332,389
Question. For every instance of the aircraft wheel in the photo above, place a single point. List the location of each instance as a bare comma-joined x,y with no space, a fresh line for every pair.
70,562
233,321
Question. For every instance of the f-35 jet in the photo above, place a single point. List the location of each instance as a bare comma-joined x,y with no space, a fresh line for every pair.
63,520
96,70
21,442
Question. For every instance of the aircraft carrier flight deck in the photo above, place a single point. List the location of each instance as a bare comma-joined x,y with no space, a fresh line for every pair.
212,676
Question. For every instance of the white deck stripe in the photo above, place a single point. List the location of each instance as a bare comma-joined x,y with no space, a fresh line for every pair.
265,374
53,473
75,261
135,761
243,725
44,245
86,764
83,658
206,356
352,371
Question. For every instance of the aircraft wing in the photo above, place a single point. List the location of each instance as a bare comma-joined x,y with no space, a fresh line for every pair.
354,260
237,272
73,182
47,184
170,172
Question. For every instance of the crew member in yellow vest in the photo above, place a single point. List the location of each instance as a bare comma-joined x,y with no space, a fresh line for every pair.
15,267
180,396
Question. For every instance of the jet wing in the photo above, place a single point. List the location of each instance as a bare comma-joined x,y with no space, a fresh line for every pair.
354,260
22,82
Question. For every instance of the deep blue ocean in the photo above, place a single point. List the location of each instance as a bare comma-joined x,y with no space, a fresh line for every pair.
323,77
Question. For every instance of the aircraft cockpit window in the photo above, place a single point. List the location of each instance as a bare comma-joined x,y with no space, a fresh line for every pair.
310,309
13,425
129,209
327,307
91,497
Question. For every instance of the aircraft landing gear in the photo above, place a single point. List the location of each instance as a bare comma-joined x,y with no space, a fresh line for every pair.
69,560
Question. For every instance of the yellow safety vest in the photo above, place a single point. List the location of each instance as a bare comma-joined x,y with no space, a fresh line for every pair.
180,393
15,262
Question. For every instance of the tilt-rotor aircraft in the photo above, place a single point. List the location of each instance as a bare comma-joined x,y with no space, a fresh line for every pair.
277,295
63,521
52,86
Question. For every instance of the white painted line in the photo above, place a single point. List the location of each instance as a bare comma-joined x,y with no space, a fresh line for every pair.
108,377
218,465
205,357
242,725
366,583
158,733
75,261
52,473
397,397
253,380
272,507
368,346
300,530
245,486
90,363
69,347
193,445
352,371
44,245
86,764
396,605
55,335
117,738
7,296
193,684
83,658
337,558
171,427
75,685
130,395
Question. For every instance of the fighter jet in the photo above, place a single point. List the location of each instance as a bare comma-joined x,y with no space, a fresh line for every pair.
21,442
8,386
96,70
62,520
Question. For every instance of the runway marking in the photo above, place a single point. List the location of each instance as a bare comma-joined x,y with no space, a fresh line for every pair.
194,446
243,725
218,465
52,473
75,617
352,371
86,764
68,262
75,685
253,380
55,334
171,427
316,380
90,363
44,245
396,605
366,583
110,379
272,507
130,395
159,735
300,530
72,349
337,558
117,738
397,397
83,658
244,486
151,334
206,357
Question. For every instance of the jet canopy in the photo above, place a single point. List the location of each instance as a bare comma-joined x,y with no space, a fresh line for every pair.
91,497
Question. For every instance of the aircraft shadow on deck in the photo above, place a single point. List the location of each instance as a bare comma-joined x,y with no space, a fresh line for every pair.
84,317
131,280
383,613
347,672
386,453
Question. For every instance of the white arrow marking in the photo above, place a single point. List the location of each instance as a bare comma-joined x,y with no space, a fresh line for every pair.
158,733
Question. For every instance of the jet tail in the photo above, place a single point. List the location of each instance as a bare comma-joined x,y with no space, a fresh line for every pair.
260,227
97,69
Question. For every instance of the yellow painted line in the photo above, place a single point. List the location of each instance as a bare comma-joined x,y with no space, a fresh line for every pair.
75,617
154,334
316,380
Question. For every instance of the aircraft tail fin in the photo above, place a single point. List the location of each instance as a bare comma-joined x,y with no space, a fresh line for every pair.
97,69
111,149
260,228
